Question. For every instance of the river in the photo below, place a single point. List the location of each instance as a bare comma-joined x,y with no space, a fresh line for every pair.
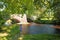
39,29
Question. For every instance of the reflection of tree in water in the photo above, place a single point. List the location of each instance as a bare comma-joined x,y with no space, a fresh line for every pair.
57,31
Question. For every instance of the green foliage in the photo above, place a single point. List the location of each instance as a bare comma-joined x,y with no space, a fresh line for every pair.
15,6
57,11
13,32
40,8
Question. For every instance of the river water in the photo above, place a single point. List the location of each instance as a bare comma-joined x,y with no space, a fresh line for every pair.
39,29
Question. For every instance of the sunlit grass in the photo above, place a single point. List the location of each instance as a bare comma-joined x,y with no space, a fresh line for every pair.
20,38
3,34
4,28
8,30
3,38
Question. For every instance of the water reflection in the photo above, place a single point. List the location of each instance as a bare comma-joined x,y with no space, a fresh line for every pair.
41,29
38,29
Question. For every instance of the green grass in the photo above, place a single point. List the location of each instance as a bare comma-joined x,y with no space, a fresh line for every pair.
42,37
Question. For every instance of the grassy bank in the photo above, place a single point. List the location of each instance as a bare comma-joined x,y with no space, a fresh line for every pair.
42,37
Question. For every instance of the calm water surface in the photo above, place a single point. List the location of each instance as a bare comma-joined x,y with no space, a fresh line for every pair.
40,29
